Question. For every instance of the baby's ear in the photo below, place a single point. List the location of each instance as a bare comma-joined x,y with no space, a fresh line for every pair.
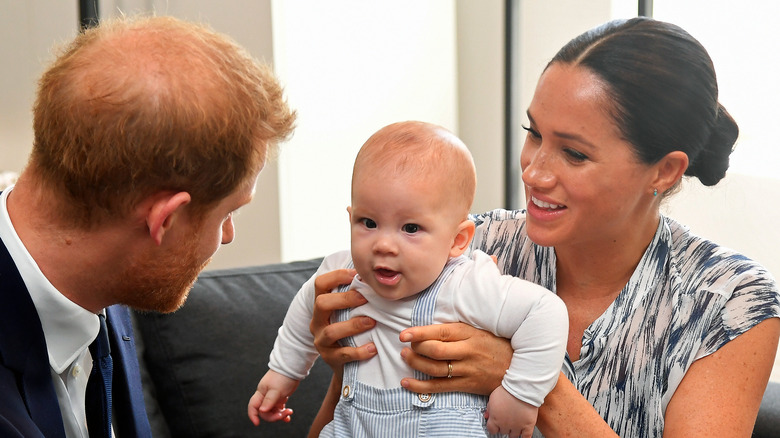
463,238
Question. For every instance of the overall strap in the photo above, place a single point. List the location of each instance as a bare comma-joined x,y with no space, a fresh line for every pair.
423,313
350,368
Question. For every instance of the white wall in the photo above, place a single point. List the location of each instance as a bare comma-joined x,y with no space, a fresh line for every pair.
350,68
28,29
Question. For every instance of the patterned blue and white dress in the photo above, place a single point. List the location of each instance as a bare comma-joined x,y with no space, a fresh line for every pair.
687,298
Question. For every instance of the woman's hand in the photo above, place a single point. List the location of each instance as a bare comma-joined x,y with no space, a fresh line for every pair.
479,359
327,335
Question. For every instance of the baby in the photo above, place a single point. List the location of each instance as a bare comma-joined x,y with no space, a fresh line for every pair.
412,187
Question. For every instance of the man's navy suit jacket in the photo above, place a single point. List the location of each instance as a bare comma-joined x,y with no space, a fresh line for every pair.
28,403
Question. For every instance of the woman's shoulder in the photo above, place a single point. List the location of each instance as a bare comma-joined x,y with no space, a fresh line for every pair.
736,291
709,264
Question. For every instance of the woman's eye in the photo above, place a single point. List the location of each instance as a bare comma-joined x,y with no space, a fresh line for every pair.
368,223
411,228
575,155
532,132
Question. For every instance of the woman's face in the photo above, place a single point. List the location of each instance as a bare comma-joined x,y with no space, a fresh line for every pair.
583,183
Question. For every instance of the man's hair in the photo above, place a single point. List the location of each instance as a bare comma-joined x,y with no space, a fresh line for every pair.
137,106
421,150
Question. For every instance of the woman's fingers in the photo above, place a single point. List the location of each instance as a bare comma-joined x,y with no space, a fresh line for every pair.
478,358
457,331
330,280
327,334
333,353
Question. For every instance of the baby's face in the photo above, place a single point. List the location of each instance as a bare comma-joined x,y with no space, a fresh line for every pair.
402,232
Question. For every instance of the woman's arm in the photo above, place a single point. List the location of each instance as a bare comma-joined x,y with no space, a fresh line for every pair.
325,414
721,393
566,413
327,335
479,361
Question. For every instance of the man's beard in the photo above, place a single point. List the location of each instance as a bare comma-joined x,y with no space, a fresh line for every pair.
161,283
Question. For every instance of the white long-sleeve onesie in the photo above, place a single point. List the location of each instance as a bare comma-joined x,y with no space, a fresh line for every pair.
476,293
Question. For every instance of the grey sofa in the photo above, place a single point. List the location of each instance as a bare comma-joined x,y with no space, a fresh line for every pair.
202,363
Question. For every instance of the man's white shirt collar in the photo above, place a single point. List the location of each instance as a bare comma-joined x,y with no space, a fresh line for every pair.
67,327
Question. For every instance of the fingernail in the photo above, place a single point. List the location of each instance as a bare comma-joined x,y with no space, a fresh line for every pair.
404,383
371,348
368,322
405,337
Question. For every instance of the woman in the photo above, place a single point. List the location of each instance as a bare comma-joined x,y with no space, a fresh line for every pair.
670,335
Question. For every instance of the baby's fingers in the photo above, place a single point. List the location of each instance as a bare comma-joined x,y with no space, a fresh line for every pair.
253,408
277,414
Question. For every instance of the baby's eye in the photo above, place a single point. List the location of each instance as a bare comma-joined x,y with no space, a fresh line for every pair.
368,223
411,228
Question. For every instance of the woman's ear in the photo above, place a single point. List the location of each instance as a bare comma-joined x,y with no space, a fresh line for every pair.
463,238
162,213
670,169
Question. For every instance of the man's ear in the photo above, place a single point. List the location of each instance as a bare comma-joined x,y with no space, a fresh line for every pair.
463,238
669,169
160,216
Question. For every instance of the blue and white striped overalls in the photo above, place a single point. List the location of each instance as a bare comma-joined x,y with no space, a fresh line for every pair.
366,411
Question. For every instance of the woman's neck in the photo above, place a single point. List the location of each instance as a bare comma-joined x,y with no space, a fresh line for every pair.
590,277
602,268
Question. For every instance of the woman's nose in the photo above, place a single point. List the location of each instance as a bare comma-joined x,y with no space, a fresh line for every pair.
537,168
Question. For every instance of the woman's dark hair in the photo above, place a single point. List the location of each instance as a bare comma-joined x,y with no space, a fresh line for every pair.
664,92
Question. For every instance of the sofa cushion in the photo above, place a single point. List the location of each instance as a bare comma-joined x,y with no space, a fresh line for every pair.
205,359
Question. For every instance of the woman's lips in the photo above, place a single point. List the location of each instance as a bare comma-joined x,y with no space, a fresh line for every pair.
544,210
545,205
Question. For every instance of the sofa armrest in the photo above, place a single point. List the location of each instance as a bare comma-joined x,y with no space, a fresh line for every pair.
768,421
205,359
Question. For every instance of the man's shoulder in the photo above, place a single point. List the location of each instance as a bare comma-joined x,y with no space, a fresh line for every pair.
15,420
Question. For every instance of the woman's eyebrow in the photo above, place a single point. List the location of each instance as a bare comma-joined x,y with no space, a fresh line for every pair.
565,135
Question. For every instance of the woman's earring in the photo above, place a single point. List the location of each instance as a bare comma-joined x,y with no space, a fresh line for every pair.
655,192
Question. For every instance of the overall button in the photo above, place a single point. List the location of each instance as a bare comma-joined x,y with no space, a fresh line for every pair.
345,391
425,398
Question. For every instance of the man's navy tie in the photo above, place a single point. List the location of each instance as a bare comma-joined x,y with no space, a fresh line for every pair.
98,396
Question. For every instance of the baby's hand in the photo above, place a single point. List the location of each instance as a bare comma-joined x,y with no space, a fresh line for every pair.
268,401
510,416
